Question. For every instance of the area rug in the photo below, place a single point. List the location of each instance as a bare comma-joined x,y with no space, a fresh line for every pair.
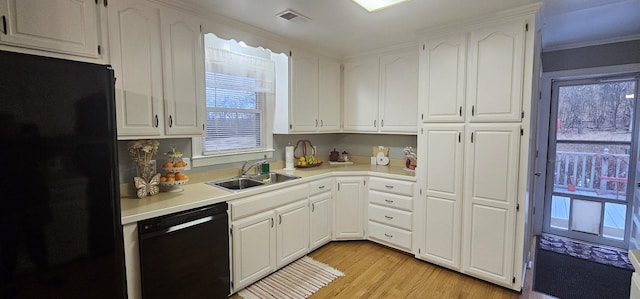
585,251
299,279
568,277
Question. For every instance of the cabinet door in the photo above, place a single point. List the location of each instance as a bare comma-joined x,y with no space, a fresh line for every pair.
329,95
442,147
135,50
292,232
349,209
491,178
319,222
399,92
361,95
304,92
254,248
62,26
183,73
496,62
443,79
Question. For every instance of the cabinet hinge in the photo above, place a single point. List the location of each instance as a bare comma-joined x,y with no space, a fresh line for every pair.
536,153
364,182
526,27
518,207
534,210
99,50
200,28
422,116
231,230
338,187
424,46
514,279
419,251
522,114
290,53
290,126
420,191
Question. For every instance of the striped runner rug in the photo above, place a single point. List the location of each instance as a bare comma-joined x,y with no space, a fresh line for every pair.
299,279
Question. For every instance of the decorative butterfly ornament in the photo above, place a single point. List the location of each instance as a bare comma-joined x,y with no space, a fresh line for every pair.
150,187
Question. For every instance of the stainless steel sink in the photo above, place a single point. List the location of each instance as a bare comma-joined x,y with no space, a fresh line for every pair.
274,177
246,182
236,183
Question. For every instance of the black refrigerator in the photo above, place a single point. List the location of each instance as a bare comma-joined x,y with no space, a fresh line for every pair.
60,228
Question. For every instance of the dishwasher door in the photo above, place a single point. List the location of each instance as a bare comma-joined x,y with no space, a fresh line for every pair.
186,254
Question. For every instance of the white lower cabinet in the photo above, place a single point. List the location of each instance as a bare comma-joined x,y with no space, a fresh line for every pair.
268,231
349,208
320,202
292,232
390,212
254,248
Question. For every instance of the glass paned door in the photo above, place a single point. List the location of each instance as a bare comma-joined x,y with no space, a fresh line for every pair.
591,166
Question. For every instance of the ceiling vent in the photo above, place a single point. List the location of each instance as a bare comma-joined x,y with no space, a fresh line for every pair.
293,16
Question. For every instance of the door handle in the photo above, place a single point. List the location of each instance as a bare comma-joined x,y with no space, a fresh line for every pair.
537,173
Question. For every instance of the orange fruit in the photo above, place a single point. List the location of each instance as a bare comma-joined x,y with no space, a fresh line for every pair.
171,175
180,164
168,164
163,179
170,179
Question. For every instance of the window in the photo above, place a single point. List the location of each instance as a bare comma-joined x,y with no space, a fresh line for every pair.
239,94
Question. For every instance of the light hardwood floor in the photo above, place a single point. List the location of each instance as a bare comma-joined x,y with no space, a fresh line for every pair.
376,271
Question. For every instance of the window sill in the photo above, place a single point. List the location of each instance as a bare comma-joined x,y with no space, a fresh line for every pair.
200,161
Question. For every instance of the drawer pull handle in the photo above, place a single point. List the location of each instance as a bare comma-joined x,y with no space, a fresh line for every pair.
388,235
389,186
321,187
388,200
388,217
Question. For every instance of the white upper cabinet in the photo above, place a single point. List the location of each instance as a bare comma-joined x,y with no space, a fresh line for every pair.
399,92
443,62
304,92
136,56
381,93
314,104
361,95
495,73
158,61
61,26
183,73
329,95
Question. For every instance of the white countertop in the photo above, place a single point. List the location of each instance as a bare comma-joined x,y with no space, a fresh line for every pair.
197,194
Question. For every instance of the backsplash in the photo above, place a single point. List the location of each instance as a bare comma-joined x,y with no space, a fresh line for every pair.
354,144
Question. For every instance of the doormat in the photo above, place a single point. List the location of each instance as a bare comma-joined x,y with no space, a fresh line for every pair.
568,277
603,255
299,279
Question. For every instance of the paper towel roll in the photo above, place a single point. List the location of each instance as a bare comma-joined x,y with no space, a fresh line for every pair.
288,158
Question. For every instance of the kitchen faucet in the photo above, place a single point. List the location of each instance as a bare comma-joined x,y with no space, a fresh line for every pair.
244,169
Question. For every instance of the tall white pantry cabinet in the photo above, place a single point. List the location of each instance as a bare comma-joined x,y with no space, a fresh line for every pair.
475,98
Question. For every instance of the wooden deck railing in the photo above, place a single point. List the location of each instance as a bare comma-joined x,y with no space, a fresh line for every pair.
596,172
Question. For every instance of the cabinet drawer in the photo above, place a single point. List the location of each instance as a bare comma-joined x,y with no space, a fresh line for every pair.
319,186
393,217
391,200
392,186
390,235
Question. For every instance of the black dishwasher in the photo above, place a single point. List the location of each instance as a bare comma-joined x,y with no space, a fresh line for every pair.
186,254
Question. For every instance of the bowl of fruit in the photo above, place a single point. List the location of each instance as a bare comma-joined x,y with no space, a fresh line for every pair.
308,161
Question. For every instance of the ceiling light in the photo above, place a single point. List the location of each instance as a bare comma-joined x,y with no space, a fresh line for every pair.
373,5
629,96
